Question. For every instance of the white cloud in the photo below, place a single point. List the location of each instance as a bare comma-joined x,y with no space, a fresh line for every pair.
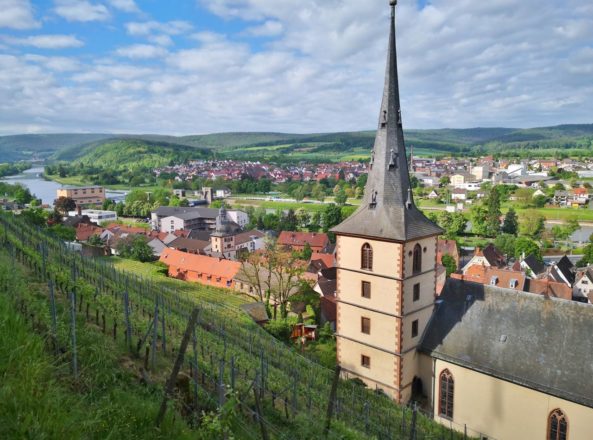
125,5
462,63
46,41
140,51
270,28
81,10
17,14
57,64
146,28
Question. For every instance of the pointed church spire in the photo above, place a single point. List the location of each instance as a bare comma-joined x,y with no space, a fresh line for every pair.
387,209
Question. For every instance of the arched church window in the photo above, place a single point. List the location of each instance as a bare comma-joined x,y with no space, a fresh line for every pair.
366,257
557,425
446,389
417,262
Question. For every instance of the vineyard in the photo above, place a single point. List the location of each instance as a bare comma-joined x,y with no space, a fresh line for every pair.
260,387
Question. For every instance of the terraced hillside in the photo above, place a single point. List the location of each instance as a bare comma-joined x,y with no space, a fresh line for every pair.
229,358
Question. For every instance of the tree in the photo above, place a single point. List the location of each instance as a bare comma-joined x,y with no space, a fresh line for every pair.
540,201
306,252
510,225
587,254
444,181
524,197
65,204
66,233
449,263
95,240
136,248
532,224
341,197
506,244
332,216
526,246
478,215
492,220
454,224
303,217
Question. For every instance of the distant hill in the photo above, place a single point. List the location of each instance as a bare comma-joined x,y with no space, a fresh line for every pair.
28,146
287,146
129,153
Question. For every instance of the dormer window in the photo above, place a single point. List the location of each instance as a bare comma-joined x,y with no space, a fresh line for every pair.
493,281
513,283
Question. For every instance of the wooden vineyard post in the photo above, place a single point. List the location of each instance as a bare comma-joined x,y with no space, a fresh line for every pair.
413,427
73,334
169,387
155,333
332,399
127,318
195,367
264,431
52,310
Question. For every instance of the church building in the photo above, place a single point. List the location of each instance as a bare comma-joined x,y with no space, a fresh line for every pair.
503,364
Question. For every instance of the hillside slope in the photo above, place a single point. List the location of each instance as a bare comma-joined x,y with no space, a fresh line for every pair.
117,154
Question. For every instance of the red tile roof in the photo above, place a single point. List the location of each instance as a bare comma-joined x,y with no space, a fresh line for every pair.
550,288
315,239
85,231
200,263
329,260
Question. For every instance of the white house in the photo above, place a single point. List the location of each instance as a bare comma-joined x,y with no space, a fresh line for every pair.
96,215
239,217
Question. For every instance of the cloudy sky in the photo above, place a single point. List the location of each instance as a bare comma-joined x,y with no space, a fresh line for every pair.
203,66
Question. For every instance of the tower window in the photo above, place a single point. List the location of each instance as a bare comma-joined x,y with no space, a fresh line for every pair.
416,296
446,389
366,289
557,425
414,328
365,361
365,325
417,259
366,257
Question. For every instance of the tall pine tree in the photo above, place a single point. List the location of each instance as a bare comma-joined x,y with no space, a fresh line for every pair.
510,225
493,214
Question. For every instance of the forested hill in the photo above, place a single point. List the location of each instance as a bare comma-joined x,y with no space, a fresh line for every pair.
287,146
129,154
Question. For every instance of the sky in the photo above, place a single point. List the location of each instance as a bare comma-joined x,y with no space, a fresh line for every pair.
301,66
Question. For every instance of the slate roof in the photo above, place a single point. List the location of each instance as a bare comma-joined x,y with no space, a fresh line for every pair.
387,210
534,264
257,311
533,341
565,266
188,244
244,237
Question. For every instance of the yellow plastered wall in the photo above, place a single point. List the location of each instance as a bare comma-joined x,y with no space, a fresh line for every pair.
383,332
386,255
502,410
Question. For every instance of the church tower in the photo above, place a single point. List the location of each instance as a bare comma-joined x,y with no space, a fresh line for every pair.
386,260
222,241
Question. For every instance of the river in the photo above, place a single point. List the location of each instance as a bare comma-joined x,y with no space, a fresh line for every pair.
46,190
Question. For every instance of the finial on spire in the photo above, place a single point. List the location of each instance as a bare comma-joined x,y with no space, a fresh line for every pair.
393,4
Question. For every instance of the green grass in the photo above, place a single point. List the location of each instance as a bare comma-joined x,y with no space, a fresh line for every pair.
39,399
583,215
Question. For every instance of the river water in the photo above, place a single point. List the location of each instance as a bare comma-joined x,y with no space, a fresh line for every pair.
46,190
